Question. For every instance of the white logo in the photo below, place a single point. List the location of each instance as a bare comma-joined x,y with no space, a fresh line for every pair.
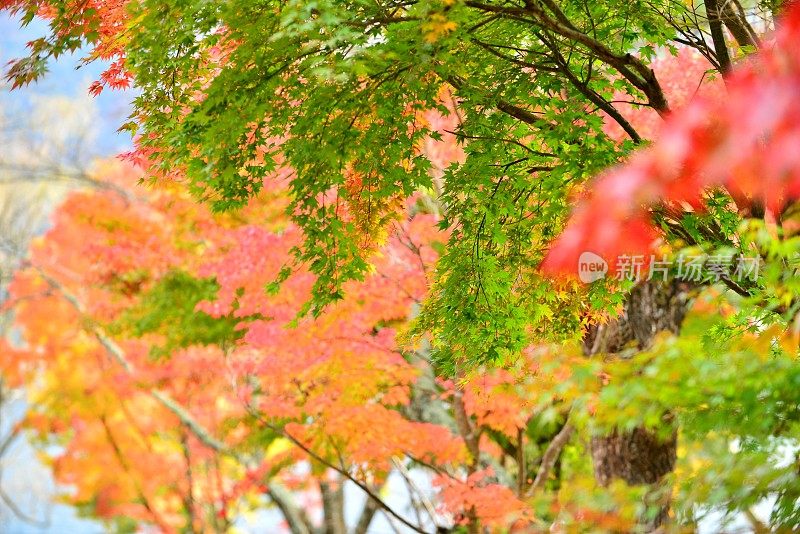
591,267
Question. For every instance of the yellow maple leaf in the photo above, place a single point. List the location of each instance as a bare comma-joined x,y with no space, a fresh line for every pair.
437,26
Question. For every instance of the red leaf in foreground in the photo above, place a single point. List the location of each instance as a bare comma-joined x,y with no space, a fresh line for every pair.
747,142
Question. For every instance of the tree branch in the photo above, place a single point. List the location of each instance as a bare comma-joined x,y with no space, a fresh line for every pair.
426,503
119,355
295,518
281,497
371,507
550,457
631,67
717,36
17,511
365,488
590,94
123,462
735,20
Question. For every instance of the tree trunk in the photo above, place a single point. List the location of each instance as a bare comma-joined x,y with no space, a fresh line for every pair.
333,506
638,457
735,20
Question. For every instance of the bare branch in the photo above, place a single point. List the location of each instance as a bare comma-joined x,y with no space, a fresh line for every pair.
8,501
426,502
364,487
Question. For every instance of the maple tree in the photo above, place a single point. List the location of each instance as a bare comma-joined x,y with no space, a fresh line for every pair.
675,409
180,397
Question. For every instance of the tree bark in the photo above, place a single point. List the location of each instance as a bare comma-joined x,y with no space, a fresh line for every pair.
367,515
333,507
735,20
640,456
718,36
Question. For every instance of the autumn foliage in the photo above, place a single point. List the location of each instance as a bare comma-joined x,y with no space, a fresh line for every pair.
325,270
713,141
336,386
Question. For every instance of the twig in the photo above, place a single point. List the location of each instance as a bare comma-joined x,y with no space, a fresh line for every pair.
365,488
426,503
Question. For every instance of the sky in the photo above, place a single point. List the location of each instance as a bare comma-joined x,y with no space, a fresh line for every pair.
68,77
58,102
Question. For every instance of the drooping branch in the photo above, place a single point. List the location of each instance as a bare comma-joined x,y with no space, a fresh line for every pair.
590,94
5,497
9,502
